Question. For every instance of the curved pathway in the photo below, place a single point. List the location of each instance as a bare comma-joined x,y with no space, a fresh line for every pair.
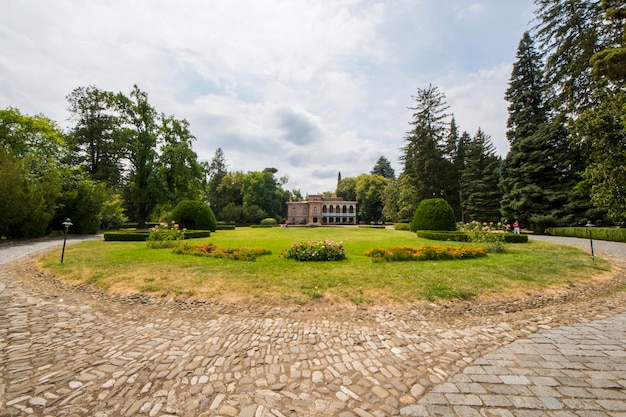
67,351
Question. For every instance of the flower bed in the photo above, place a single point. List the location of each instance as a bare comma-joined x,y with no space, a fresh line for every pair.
424,253
210,250
165,235
315,251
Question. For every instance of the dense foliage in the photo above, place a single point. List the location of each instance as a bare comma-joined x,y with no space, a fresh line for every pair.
194,215
122,160
433,214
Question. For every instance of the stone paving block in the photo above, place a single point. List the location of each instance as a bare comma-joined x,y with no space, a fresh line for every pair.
158,361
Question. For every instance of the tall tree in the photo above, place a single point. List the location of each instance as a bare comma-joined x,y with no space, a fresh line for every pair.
454,155
538,176
346,189
423,156
140,132
369,196
30,172
262,190
95,138
479,180
230,188
178,170
601,130
569,33
216,171
383,168
611,62
400,199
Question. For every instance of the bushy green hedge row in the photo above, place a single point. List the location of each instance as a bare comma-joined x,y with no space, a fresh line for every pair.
402,226
445,236
142,235
126,236
465,237
255,226
599,233
225,227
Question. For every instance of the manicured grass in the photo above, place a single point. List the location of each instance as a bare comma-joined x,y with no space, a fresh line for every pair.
131,267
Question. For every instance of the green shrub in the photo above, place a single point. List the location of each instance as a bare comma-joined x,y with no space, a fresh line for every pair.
316,251
142,235
112,213
165,236
126,236
513,238
599,233
225,226
444,236
465,237
194,215
433,214
211,251
402,226
254,226
268,221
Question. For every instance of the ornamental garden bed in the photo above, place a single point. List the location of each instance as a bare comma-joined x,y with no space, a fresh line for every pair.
131,267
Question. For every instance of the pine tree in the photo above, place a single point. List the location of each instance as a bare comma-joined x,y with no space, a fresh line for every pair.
454,154
538,177
423,154
216,172
569,33
479,180
383,168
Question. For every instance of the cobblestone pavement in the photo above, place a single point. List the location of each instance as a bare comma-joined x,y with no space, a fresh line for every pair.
65,352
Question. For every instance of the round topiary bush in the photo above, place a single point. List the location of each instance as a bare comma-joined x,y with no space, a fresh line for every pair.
269,221
194,215
433,214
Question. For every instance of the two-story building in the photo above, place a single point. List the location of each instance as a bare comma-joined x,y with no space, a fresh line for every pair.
323,210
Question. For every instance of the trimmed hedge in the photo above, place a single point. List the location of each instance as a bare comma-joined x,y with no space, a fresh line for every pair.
444,236
599,233
513,238
197,234
270,221
142,235
464,237
194,215
433,214
128,236
257,226
402,226
225,227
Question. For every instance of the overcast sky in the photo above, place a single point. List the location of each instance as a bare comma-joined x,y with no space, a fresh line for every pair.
308,87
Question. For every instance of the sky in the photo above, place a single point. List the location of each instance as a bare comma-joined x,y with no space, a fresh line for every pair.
309,87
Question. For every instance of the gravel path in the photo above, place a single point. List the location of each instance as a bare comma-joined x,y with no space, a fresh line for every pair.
617,249
73,352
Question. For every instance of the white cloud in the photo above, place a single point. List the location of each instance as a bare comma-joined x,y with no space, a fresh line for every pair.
311,88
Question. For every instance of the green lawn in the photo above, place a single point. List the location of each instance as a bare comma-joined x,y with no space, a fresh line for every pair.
125,267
